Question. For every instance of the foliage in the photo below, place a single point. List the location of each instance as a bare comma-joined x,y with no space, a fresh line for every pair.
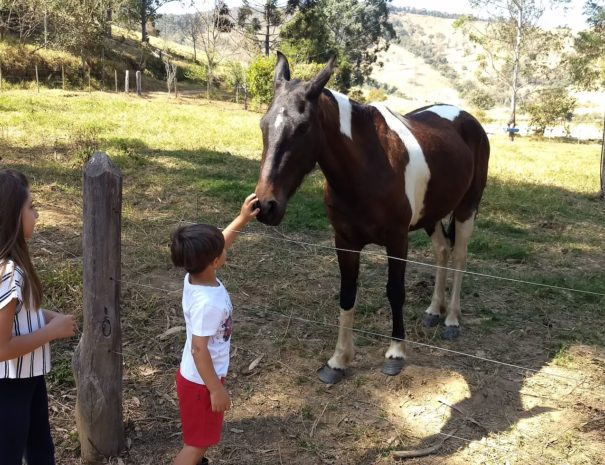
260,79
377,95
141,13
517,52
588,59
550,107
259,21
356,31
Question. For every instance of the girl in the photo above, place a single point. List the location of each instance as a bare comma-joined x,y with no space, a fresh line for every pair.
25,333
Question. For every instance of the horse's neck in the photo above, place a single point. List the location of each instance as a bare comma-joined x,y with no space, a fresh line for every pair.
342,163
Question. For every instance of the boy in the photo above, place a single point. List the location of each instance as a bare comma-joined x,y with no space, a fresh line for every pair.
201,250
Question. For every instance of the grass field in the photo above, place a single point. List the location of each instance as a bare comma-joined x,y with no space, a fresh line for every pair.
188,160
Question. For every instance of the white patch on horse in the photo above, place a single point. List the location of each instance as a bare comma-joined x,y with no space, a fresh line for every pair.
417,172
279,119
445,111
344,111
396,350
345,350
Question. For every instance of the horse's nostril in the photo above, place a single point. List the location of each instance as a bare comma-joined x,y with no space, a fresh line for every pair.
271,206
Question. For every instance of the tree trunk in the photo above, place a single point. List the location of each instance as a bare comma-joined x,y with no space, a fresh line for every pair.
267,30
144,37
97,360
515,76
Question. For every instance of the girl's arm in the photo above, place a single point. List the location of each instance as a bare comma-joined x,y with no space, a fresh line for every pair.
61,326
203,362
247,213
49,315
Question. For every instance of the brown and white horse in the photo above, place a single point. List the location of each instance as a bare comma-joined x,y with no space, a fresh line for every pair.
386,174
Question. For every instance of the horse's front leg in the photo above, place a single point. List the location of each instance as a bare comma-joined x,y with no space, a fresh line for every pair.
333,371
396,354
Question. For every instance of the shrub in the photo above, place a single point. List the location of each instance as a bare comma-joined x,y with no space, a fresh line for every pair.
260,79
377,95
550,107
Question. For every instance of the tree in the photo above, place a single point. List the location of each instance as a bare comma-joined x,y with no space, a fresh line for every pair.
355,30
140,12
262,19
517,51
588,62
212,24
22,18
550,107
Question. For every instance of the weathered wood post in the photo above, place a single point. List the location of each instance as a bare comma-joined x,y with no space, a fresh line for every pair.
0,77
63,76
97,361
127,82
115,72
138,77
37,80
603,161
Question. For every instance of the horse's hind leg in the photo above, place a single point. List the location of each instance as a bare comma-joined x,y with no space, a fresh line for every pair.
333,371
464,229
441,249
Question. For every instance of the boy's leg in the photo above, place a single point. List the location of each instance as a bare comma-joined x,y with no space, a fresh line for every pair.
190,455
15,402
40,448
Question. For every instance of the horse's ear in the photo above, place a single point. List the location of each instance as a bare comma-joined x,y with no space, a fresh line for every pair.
320,81
282,70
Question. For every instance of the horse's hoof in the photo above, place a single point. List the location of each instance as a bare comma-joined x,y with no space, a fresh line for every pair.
330,375
450,333
393,366
429,320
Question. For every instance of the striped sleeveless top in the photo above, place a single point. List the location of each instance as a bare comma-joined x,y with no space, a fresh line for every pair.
26,321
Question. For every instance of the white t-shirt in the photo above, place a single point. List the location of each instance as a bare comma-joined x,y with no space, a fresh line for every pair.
207,311
26,321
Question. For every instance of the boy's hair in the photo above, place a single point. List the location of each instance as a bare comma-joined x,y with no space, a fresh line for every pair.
195,246
14,192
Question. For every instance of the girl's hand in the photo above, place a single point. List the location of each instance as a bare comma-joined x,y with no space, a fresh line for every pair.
62,326
220,400
249,209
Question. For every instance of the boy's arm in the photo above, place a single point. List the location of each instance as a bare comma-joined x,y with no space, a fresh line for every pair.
247,213
203,362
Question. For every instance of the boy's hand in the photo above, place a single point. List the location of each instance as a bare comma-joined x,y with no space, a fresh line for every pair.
249,210
220,400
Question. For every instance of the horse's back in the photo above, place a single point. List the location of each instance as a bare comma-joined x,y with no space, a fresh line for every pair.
457,150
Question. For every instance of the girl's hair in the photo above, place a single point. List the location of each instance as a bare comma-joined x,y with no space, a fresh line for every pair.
195,246
14,192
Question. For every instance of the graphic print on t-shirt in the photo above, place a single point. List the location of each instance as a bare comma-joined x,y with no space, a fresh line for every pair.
227,328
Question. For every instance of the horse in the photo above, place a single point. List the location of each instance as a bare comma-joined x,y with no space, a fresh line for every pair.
386,175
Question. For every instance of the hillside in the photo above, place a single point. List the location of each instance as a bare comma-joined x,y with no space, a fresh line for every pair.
431,56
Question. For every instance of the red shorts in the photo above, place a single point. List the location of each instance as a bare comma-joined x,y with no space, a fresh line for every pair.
201,426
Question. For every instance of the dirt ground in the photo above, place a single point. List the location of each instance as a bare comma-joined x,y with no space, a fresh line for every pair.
282,413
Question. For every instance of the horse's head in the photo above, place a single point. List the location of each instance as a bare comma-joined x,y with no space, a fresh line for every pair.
291,138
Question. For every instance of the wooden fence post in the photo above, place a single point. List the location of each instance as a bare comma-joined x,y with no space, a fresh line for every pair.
0,78
127,81
603,161
97,360
115,71
139,83
63,75
89,88
37,80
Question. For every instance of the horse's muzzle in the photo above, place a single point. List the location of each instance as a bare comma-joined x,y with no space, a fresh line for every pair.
271,212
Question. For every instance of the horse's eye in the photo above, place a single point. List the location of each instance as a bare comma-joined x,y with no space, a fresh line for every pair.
303,128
